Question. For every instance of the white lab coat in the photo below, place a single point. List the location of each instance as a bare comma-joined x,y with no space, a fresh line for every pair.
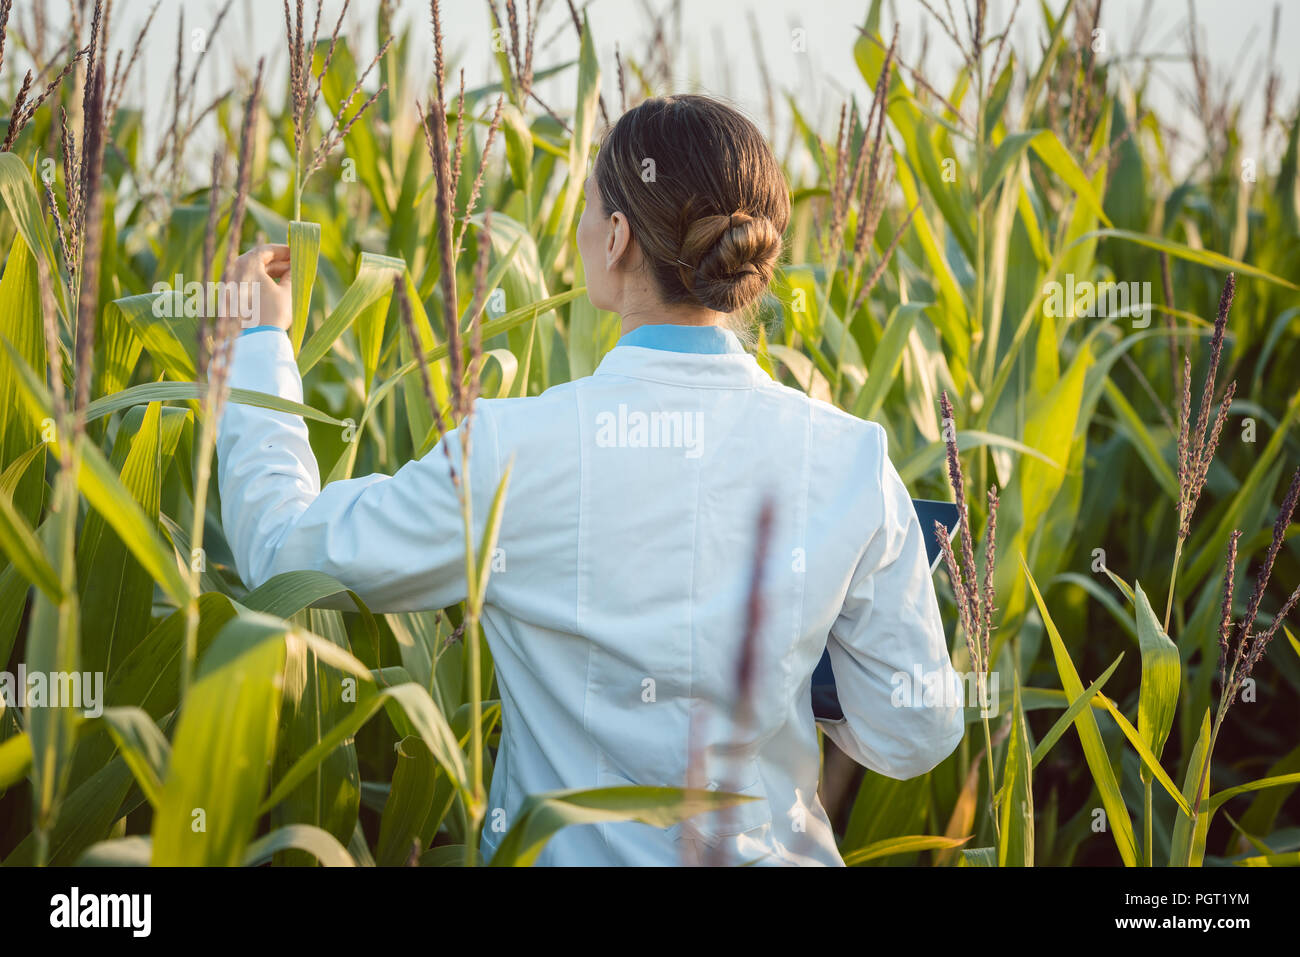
618,608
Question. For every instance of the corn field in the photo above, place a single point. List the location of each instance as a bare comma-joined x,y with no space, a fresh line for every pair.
1095,355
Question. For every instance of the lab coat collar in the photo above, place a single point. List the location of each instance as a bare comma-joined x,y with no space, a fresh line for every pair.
677,338
708,356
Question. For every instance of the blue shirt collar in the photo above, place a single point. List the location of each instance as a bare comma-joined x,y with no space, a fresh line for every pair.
674,338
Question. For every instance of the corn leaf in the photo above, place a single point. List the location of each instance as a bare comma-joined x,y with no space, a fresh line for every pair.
1016,812
409,801
542,815
222,748
902,845
302,837
374,280
304,252
1094,750
1161,677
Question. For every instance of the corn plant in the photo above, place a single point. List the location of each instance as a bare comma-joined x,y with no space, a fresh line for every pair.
936,242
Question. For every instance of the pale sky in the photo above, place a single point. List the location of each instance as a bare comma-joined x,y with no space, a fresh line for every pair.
716,51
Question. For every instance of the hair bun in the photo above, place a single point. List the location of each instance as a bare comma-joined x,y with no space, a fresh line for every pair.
733,258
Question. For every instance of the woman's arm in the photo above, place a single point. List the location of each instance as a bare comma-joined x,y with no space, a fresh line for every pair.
888,650
397,541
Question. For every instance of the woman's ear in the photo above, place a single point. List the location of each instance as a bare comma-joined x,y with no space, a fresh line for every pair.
618,241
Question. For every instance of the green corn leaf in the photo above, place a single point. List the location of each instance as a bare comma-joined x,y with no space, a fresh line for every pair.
448,855
1188,843
1149,761
86,815
1121,585
1016,811
1094,750
584,122
149,677
143,746
950,315
374,280
359,849
15,760
1050,428
290,592
304,252
1088,697
409,802
116,591
21,329
320,844
368,705
1202,257
419,415
117,349
134,851
519,147
1161,677
1048,147
929,457
171,340
53,649
192,391
24,550
420,715
25,207
105,493
488,544
902,845
1098,591
1281,780
222,748
542,815
887,358
491,328
316,696
1289,859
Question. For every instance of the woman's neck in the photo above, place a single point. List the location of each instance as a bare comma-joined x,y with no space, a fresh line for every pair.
653,312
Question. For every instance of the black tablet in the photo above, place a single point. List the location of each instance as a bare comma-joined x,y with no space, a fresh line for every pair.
825,699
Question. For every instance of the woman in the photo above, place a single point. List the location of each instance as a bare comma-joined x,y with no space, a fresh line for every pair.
616,614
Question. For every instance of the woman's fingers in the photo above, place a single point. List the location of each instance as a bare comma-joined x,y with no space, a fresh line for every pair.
268,256
269,253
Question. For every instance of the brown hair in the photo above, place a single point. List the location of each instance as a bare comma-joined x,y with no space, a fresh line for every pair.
704,196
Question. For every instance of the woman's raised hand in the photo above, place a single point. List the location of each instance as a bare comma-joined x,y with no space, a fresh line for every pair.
266,269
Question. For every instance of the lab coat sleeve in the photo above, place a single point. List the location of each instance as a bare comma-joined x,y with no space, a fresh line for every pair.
900,695
397,541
